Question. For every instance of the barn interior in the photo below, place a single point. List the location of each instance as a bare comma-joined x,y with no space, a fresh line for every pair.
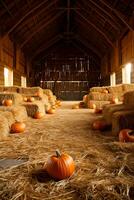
67,83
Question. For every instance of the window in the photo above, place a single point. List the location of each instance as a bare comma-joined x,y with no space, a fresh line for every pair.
126,73
112,79
8,77
23,81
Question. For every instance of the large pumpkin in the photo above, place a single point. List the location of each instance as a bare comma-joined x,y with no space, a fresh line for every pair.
18,127
7,102
25,99
38,115
99,124
125,135
60,166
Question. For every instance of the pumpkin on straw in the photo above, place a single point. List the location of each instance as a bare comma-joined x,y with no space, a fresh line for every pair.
18,127
125,135
60,166
7,102
38,115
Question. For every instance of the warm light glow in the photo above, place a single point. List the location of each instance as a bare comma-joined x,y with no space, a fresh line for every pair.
8,77
23,81
112,79
126,73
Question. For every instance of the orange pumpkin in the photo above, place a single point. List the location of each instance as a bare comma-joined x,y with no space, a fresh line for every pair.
60,166
30,99
92,105
99,124
98,110
51,111
18,127
38,94
125,135
7,102
105,91
58,102
25,99
75,106
114,100
38,115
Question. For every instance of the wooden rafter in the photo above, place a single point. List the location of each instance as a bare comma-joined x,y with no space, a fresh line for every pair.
25,16
119,15
46,46
104,11
96,28
102,16
40,28
6,7
43,9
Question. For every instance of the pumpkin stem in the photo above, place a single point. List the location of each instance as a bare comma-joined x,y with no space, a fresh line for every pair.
58,154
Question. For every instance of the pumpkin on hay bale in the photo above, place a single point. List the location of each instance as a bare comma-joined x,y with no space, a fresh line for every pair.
58,103
7,102
60,166
92,105
30,99
114,100
18,127
126,135
25,99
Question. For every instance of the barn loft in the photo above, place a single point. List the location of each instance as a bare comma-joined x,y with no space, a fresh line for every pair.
66,100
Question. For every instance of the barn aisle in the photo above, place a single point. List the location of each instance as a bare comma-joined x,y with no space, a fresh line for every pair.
99,159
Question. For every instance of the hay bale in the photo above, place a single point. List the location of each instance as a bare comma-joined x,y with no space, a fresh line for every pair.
129,98
15,97
19,112
48,92
99,104
31,91
11,88
2,88
122,120
109,111
32,108
6,119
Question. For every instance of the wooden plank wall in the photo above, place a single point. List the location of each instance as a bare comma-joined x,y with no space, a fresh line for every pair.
120,55
13,58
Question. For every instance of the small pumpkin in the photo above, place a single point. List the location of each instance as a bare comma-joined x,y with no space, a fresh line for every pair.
105,91
7,102
60,166
98,110
38,94
18,127
58,102
99,124
38,115
92,105
51,111
25,99
114,100
75,106
30,99
125,135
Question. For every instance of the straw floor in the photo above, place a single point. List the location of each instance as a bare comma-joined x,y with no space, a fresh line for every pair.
104,167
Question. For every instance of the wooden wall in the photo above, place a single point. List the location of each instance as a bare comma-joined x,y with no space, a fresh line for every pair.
115,59
12,57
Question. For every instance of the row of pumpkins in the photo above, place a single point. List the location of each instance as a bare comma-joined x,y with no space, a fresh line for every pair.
19,127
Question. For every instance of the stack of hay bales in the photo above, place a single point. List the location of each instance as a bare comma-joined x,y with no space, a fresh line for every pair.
15,97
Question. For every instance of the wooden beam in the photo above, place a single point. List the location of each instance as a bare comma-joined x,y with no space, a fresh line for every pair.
119,15
102,16
5,6
104,11
25,16
42,10
88,45
40,28
96,28
46,46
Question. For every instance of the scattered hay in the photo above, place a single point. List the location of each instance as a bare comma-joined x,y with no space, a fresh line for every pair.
104,168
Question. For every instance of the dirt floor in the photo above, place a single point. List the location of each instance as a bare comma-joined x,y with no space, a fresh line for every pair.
104,167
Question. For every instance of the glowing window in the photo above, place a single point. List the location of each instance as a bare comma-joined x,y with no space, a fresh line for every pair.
8,77
112,79
23,81
126,73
